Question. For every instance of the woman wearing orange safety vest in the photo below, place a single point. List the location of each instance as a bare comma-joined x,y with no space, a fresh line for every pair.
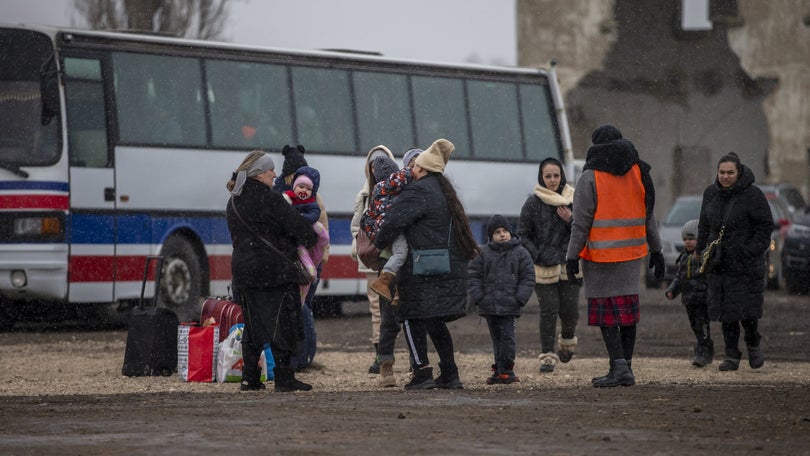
613,226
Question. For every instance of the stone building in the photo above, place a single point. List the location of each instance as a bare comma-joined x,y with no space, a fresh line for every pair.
686,80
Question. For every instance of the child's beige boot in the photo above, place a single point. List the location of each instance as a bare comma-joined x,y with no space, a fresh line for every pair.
382,285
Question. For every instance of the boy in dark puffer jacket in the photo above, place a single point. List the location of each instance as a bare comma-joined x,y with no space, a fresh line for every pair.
501,281
690,282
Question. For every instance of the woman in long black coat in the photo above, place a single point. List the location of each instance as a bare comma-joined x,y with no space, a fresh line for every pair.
736,206
264,281
431,216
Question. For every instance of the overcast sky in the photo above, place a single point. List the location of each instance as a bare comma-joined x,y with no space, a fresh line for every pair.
444,30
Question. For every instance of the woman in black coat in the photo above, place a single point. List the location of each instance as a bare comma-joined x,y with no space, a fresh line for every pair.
264,281
431,216
544,230
736,206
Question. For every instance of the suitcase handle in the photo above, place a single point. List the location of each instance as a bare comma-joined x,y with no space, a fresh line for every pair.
158,272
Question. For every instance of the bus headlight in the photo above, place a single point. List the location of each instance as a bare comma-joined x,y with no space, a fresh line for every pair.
32,226
18,278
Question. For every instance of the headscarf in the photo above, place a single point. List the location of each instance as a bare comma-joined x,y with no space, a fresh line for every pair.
261,165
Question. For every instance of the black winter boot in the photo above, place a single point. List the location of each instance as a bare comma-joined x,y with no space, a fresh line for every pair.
375,366
448,377
286,382
701,356
729,364
621,375
421,379
755,357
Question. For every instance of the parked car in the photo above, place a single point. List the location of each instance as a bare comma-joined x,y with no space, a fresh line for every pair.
796,254
790,195
782,218
684,208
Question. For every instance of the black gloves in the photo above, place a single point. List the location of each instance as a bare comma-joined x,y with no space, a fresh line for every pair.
572,269
657,263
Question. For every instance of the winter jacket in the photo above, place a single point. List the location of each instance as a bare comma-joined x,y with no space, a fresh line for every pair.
280,185
382,197
501,278
615,156
421,212
253,263
541,231
688,280
360,205
736,286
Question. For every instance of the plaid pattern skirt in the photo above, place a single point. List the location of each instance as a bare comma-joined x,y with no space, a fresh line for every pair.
613,311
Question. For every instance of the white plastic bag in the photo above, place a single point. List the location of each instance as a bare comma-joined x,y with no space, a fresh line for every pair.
229,358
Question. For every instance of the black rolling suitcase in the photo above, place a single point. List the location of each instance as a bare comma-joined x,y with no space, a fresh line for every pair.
152,338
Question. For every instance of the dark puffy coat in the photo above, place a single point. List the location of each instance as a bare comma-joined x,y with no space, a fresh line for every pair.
501,278
544,234
421,212
736,286
689,281
253,263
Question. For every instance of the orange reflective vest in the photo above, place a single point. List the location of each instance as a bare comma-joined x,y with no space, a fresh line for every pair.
619,230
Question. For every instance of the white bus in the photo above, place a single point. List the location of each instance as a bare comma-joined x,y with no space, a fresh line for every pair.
115,146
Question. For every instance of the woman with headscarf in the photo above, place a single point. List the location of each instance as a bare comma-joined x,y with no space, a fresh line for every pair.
544,230
613,225
264,281
361,202
430,214
738,209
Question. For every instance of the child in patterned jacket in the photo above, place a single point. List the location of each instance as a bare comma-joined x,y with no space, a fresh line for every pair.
390,183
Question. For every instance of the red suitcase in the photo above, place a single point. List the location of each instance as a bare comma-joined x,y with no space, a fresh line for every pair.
225,313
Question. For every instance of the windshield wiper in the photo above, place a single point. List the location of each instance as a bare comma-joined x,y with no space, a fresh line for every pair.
14,169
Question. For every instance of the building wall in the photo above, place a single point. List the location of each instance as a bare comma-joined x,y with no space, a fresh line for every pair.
684,98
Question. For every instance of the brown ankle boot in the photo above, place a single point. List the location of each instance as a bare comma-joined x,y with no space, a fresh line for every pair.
381,286
386,379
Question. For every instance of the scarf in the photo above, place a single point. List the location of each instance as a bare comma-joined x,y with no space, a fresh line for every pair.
553,198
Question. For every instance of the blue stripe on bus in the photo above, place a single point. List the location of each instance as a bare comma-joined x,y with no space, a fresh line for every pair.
144,229
34,185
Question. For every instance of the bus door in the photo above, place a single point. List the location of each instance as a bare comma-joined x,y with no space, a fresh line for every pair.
92,224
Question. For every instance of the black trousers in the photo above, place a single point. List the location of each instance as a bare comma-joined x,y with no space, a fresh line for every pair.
416,332
504,342
271,316
561,300
698,315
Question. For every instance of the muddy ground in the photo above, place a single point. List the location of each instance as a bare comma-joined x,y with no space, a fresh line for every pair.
62,393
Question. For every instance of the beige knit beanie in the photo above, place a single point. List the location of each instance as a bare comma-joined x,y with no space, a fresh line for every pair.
435,157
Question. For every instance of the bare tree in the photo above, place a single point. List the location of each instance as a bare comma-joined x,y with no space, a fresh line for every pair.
203,19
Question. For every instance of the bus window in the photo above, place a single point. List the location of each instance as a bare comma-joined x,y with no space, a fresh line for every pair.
250,104
495,120
159,100
441,112
538,123
383,105
84,98
323,111
24,139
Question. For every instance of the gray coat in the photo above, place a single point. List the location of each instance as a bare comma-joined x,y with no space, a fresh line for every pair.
604,280
501,278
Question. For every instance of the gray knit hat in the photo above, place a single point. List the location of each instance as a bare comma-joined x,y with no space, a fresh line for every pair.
690,230
410,154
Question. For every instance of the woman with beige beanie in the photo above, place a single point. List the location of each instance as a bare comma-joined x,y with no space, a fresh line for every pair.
430,215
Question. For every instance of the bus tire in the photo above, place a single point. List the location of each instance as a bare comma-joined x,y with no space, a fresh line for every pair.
181,283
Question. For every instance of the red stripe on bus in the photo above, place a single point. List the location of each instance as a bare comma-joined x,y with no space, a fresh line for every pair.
88,268
34,202
341,267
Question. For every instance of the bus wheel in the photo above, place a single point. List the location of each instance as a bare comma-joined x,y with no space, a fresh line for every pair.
181,283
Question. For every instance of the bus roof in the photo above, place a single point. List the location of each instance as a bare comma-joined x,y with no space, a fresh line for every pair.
359,55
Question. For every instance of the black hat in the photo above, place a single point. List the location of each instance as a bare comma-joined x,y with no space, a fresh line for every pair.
382,167
497,221
293,159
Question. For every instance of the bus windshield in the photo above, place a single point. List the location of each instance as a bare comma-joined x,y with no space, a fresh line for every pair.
27,136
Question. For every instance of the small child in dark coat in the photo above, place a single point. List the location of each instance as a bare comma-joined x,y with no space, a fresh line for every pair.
692,284
501,281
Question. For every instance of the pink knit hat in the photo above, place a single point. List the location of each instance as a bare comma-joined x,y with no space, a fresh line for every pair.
302,179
